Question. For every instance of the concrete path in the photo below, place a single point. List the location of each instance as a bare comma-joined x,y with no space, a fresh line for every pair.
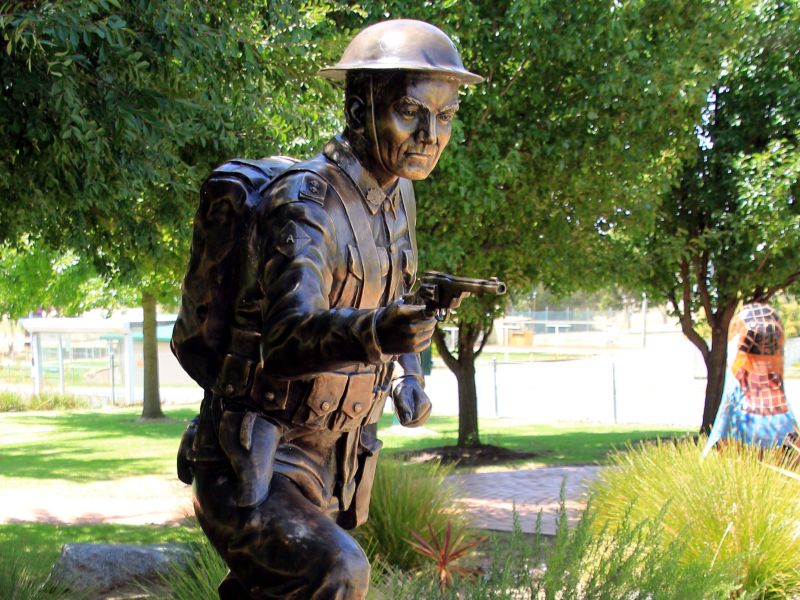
128,501
489,498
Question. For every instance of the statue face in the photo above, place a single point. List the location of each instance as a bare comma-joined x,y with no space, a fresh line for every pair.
412,125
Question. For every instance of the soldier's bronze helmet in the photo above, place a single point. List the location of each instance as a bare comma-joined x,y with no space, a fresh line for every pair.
402,45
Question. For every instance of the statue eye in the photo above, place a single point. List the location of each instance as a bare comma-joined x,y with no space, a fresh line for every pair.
446,117
407,111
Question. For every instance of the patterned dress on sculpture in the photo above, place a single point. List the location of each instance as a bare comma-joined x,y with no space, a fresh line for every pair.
754,408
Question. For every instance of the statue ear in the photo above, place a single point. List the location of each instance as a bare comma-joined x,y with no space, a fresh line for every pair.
355,113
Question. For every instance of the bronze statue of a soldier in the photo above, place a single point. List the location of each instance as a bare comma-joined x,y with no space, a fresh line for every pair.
295,336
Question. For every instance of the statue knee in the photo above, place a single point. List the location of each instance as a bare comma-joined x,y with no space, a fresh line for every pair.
347,575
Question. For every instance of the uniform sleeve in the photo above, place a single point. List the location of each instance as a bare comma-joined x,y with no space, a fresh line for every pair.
297,251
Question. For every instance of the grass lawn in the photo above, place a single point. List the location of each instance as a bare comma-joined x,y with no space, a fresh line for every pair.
557,444
86,446
83,446
43,448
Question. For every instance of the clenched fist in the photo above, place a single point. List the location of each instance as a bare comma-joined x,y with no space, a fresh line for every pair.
404,328
411,404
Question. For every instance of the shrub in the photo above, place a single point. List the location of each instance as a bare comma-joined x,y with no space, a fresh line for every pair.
626,561
13,402
407,498
730,508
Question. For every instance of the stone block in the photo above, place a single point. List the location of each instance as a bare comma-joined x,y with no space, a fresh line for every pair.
100,568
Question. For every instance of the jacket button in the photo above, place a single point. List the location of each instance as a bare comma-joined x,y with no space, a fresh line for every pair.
229,389
357,407
325,405
269,396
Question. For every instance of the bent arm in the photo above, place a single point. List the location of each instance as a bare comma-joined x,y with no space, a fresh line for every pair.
302,335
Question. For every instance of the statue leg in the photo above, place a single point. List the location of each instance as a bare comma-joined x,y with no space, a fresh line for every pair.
286,547
233,589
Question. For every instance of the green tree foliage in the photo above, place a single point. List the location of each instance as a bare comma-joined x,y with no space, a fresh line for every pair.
587,107
112,112
37,277
729,230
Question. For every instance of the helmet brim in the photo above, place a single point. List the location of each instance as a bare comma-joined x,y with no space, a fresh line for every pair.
339,71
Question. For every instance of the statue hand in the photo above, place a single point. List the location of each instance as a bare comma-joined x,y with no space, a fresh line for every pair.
404,328
411,403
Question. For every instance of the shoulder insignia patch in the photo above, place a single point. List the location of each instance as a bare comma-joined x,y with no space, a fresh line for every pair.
291,240
313,187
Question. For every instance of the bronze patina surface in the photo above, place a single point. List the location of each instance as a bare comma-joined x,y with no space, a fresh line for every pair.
293,319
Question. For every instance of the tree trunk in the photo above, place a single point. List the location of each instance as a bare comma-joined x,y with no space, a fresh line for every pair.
468,436
463,367
151,409
716,364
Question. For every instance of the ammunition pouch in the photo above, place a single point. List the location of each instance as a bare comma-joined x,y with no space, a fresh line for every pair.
185,451
357,512
250,443
339,401
239,366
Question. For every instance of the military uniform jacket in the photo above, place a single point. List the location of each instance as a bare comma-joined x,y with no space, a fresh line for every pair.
330,248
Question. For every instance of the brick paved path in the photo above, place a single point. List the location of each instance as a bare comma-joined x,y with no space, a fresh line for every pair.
492,498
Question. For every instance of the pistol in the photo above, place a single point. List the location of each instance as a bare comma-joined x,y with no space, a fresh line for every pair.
440,292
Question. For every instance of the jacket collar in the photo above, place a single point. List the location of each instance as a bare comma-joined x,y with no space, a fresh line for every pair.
340,152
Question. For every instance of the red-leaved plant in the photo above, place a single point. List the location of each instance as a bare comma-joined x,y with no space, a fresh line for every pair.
445,552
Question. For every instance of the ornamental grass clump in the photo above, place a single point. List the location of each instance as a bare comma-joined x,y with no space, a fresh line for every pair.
627,561
735,508
22,577
197,579
407,498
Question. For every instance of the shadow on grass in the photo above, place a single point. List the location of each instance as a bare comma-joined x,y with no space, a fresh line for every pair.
88,446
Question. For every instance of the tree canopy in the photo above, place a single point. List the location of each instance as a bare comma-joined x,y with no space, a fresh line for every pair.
586,111
566,166
728,231
111,114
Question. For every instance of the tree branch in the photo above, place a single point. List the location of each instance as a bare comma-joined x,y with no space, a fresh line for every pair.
701,265
486,333
444,352
793,278
762,264
686,313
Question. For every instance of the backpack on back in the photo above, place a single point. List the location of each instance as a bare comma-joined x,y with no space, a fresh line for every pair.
218,262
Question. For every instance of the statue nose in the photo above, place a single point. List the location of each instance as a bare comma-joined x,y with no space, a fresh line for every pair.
426,134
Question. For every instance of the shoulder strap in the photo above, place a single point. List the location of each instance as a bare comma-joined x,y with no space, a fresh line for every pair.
371,289
410,206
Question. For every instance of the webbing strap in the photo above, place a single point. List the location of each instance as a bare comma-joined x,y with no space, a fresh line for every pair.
371,289
410,206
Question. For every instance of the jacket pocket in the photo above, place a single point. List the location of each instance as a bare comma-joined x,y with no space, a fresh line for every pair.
323,398
357,402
